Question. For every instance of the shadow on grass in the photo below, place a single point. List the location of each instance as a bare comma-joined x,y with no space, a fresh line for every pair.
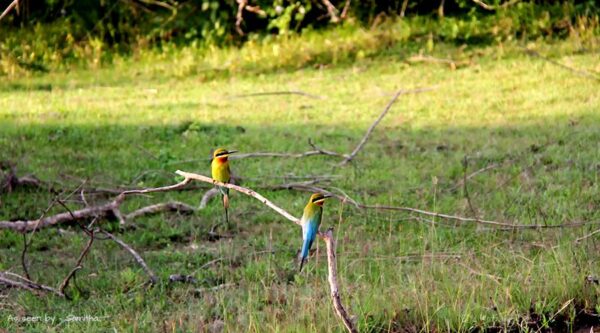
552,177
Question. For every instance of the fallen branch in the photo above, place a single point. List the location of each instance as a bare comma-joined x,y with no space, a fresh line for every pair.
171,206
508,226
182,278
26,284
136,256
584,237
215,288
277,93
108,209
378,120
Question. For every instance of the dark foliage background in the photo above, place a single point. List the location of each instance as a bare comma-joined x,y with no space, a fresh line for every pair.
42,34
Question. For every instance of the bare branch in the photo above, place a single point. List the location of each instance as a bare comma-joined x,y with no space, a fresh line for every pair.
333,284
78,266
277,93
587,236
26,284
378,120
484,5
24,257
136,256
281,211
345,10
508,226
327,237
9,8
569,68
88,212
239,18
172,206
492,8
207,196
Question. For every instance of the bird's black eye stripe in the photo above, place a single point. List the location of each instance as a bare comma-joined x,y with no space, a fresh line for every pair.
222,153
318,198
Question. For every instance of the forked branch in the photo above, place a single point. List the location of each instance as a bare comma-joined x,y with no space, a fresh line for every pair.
371,128
326,236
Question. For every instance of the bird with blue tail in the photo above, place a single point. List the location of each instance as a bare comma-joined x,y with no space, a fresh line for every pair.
311,220
221,172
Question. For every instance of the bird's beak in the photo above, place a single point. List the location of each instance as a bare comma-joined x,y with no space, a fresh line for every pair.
325,196
229,152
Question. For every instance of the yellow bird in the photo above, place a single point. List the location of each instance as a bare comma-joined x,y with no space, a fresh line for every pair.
221,172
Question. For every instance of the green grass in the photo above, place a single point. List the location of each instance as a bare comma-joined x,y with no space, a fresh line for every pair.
112,128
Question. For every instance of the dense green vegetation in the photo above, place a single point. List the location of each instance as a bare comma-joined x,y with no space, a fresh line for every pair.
135,122
62,35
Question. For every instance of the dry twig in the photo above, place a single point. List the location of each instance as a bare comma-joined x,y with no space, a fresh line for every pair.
569,68
277,93
26,284
136,256
378,120
333,285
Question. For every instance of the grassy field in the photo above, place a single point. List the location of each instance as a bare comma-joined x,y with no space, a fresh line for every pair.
134,124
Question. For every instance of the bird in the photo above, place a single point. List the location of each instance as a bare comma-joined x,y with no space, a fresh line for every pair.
221,172
311,220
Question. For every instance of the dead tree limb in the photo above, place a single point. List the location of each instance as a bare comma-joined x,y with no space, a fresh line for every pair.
26,284
84,213
327,237
378,120
136,256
